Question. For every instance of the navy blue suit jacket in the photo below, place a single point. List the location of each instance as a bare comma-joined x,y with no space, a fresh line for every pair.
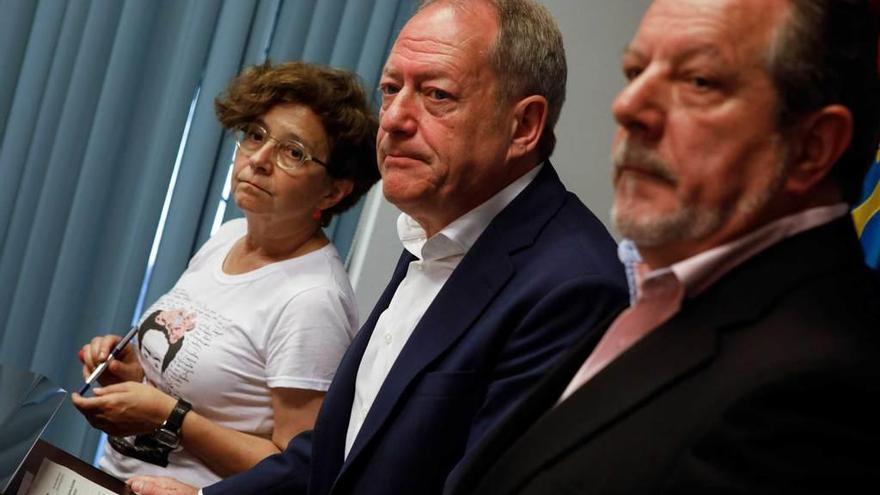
544,271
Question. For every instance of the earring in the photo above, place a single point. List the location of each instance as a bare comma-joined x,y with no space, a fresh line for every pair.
317,214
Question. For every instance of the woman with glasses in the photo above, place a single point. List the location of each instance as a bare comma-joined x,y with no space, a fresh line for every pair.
234,360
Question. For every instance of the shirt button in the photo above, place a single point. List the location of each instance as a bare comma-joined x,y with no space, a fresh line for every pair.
387,337
418,266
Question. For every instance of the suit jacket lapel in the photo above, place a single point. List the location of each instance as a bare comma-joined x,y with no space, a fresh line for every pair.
677,347
331,428
542,398
632,377
477,280
661,358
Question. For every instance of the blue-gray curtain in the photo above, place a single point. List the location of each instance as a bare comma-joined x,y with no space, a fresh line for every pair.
101,101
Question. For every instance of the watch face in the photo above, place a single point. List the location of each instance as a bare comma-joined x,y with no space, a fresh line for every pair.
167,438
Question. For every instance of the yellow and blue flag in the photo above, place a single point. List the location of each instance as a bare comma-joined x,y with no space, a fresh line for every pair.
867,215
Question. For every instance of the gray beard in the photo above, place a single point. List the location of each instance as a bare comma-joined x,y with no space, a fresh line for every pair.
684,224
690,222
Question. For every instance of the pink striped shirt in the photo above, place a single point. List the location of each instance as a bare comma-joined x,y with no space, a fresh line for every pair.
660,292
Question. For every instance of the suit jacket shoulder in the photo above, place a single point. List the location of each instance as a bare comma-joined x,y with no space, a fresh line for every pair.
761,384
543,267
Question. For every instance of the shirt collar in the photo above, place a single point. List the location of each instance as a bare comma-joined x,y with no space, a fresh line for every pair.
458,237
700,271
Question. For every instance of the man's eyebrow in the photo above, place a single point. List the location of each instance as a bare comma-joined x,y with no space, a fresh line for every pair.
630,51
705,49
388,71
426,75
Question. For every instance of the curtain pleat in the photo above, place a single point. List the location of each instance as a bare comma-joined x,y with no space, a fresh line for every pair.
25,121
15,23
345,50
33,234
291,30
322,32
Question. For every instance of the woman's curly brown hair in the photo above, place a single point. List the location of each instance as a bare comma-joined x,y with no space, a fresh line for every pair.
336,97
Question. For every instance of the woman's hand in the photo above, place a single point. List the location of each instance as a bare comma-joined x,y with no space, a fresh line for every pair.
160,485
128,408
125,368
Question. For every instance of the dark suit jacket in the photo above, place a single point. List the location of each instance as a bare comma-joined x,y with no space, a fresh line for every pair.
765,383
543,271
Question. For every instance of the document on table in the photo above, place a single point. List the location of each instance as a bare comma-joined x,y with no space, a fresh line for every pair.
55,479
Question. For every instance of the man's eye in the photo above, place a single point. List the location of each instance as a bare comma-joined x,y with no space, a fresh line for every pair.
439,94
701,82
630,73
388,89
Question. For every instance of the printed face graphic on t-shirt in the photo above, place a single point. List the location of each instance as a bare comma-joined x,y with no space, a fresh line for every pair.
176,322
154,347
173,337
161,336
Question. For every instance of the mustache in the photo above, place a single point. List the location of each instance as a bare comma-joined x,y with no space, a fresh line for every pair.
634,156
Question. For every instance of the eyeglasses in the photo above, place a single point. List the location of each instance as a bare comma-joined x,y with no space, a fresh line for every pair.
288,154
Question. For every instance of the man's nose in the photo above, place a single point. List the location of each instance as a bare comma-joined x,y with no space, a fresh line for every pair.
399,115
639,108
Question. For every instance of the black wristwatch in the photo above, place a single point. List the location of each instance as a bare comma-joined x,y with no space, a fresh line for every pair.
169,433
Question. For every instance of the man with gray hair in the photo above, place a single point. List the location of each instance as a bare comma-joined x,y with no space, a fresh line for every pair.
750,359
502,268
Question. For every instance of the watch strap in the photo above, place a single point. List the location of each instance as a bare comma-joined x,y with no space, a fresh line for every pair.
175,419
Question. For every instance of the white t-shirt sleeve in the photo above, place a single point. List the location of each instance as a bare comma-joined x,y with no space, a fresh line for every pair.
313,332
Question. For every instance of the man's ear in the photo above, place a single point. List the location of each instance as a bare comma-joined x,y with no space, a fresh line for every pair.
339,188
530,116
823,138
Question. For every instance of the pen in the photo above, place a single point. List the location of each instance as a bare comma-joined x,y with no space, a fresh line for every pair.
103,366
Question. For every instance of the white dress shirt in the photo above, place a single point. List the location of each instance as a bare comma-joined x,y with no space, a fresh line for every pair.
436,257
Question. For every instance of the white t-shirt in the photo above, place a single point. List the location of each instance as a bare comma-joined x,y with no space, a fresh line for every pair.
222,341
